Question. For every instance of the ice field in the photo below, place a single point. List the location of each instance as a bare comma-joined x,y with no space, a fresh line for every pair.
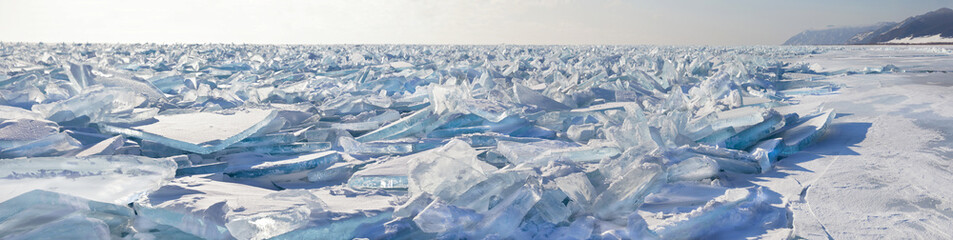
142,141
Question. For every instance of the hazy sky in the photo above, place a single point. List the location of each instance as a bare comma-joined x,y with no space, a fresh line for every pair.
664,22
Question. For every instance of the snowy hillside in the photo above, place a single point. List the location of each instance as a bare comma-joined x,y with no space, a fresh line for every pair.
832,36
934,27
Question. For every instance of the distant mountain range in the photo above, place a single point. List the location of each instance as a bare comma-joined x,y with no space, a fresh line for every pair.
934,27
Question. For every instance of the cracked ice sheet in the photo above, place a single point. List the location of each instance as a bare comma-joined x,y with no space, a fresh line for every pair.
884,170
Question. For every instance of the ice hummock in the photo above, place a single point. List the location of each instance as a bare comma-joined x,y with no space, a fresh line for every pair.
293,142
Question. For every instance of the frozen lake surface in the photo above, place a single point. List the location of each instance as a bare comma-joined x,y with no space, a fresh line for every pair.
501,142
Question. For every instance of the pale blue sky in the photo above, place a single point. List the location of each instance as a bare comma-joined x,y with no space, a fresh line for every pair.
671,22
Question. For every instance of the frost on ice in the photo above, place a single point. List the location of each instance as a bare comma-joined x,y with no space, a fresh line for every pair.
305,142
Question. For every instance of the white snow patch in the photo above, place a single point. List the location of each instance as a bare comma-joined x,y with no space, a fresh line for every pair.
922,40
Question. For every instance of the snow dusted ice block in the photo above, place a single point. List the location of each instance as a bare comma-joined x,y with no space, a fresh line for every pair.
280,166
200,132
40,214
34,138
805,133
221,210
118,179
16,132
766,152
736,207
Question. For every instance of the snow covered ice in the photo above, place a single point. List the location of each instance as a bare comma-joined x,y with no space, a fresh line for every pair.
479,142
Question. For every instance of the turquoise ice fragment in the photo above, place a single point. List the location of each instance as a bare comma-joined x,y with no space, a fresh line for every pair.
284,166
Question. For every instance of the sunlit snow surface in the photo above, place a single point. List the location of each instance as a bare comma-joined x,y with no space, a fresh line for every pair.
475,142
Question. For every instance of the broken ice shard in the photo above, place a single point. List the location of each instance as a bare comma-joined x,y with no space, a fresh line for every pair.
221,210
579,154
352,146
411,124
10,113
293,148
52,145
504,218
773,121
578,188
628,193
448,171
530,97
106,105
809,130
337,171
269,139
389,174
341,229
581,228
200,132
729,159
283,165
201,169
480,196
118,179
439,217
106,147
552,207
40,214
